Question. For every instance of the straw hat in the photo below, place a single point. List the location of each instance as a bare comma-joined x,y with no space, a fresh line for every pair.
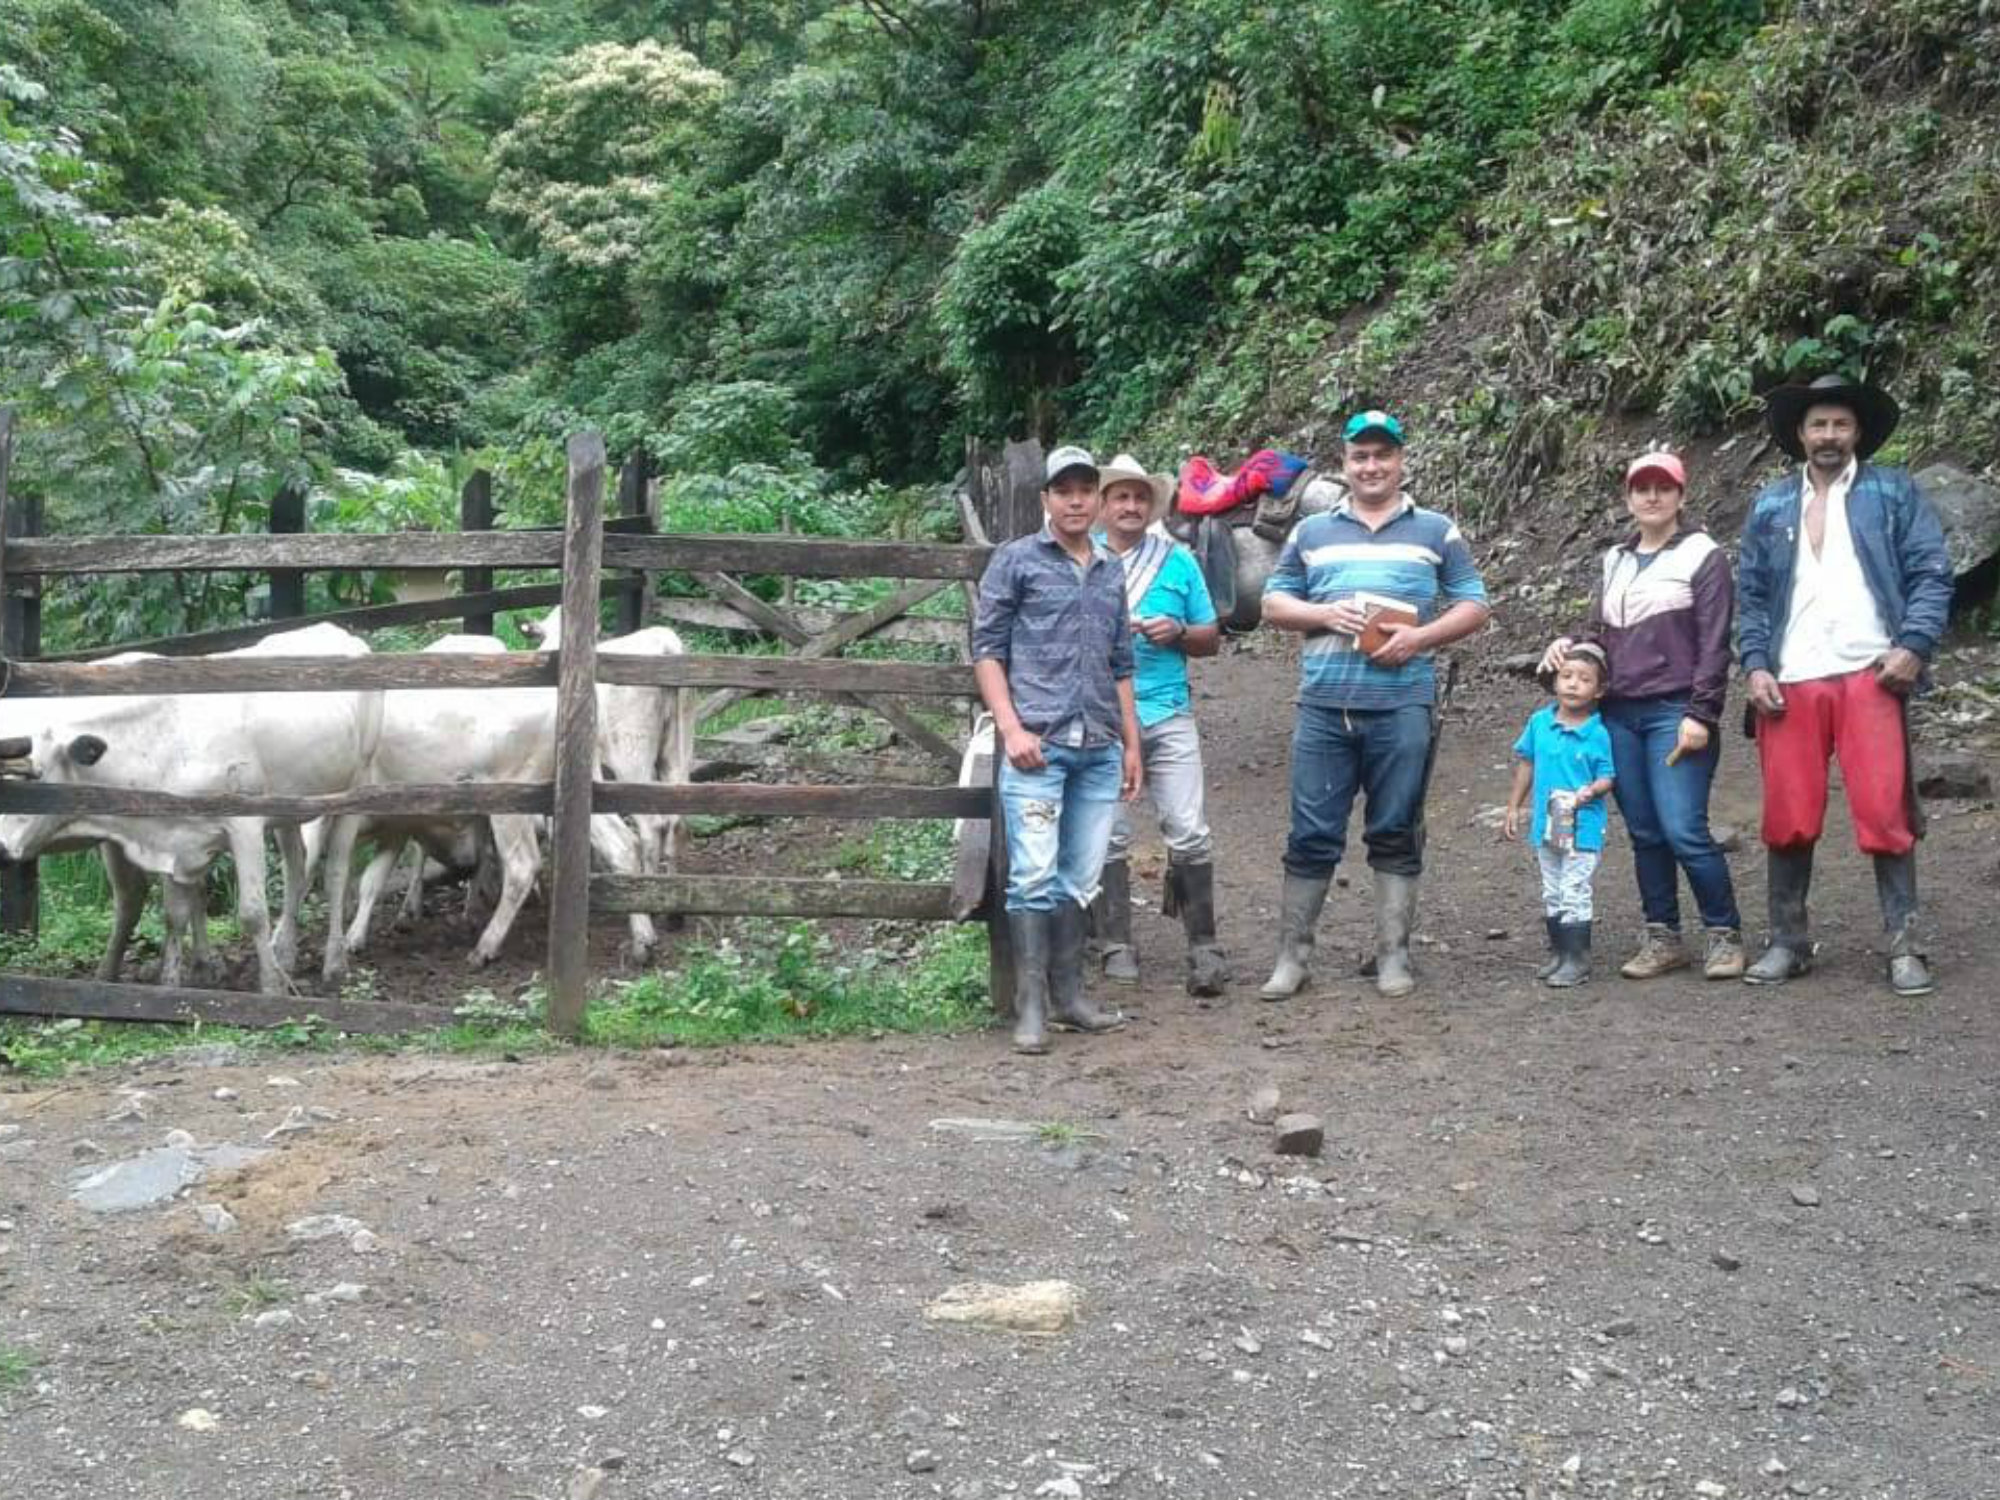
1126,469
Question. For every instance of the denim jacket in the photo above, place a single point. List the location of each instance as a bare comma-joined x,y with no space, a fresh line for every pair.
1896,537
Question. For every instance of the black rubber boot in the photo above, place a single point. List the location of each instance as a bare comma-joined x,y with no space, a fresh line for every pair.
1207,964
1789,875
1553,925
1070,1009
1111,920
1298,915
1029,931
1896,889
1573,954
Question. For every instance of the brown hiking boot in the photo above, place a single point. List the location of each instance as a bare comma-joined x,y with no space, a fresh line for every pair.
1723,957
1660,952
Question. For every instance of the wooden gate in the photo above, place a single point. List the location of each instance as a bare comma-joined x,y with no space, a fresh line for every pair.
585,548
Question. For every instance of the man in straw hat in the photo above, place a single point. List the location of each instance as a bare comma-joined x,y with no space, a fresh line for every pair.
1375,586
1052,654
1843,587
1172,618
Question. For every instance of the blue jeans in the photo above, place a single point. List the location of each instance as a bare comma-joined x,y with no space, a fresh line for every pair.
1382,753
1059,825
1666,811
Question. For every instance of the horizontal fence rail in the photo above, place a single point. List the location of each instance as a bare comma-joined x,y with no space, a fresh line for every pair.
358,618
36,995
519,669
797,896
468,798
798,556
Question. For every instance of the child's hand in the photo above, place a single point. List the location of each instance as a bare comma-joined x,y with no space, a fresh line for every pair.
1585,796
1510,826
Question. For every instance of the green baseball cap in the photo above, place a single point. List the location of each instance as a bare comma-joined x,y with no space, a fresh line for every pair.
1373,423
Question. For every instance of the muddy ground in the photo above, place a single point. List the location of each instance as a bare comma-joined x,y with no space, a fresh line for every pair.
1664,1240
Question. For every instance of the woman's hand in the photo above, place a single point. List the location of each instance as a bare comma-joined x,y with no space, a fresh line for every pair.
1552,659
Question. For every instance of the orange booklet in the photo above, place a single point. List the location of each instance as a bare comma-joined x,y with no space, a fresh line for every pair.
1380,610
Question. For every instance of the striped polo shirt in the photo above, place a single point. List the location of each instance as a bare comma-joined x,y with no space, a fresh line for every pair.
1417,556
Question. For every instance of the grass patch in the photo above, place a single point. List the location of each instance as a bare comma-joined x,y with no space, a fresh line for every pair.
768,982
777,982
15,1363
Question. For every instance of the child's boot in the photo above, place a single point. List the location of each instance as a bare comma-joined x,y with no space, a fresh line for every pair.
1555,958
1573,967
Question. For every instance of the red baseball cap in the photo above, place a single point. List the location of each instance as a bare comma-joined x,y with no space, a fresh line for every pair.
1659,465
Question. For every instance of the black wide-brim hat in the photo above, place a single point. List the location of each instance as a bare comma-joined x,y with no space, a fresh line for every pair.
1875,409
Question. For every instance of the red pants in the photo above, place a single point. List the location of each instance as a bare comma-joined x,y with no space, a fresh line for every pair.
1859,720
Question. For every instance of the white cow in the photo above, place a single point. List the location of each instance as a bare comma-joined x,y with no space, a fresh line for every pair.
643,733
486,734
197,744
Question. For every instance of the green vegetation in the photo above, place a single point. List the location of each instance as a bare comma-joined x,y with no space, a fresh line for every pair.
766,982
15,1363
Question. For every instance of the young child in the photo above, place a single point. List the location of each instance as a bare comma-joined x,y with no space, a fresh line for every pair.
1565,754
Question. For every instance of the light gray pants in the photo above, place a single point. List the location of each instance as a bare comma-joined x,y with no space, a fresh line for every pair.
1566,876
1171,750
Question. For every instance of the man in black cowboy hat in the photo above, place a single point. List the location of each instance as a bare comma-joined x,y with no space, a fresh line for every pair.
1842,590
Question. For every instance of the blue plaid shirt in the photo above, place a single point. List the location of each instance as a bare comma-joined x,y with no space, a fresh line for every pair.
1060,630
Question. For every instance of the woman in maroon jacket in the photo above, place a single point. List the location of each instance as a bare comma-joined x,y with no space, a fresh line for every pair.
1662,612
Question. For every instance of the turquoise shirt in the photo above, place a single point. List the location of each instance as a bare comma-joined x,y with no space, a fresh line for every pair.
1567,760
1159,673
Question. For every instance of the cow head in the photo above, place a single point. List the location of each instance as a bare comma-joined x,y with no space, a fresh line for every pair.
56,757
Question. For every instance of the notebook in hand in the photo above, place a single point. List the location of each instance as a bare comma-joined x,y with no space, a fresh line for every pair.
1380,610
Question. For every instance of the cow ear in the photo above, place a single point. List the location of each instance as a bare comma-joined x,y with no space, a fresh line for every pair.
87,749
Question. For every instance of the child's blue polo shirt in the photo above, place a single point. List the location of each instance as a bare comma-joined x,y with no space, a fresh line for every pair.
1567,760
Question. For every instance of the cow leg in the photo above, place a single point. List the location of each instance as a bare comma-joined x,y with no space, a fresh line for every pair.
413,894
520,854
253,912
192,897
285,940
380,868
339,867
128,902
186,905
614,845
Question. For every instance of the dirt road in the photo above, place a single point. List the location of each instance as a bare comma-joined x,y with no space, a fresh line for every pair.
1674,1240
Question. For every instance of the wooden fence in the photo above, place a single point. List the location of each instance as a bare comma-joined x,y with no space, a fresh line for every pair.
584,549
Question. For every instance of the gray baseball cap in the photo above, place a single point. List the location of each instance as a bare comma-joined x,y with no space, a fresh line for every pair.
1064,459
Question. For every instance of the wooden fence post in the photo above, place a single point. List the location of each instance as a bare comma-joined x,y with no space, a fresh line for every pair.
1006,497
630,609
20,638
576,737
288,585
475,513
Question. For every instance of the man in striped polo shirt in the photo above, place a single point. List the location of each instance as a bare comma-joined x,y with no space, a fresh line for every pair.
1375,587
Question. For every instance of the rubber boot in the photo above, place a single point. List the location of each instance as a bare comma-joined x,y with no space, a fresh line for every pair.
1555,958
1298,915
1070,1009
1111,918
1029,931
1574,953
1790,954
1896,889
1194,891
1395,916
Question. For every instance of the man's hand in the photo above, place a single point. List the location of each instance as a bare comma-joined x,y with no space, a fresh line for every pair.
1765,695
1132,774
1024,748
1552,659
1402,642
1898,671
1161,630
1692,740
1510,826
1344,615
